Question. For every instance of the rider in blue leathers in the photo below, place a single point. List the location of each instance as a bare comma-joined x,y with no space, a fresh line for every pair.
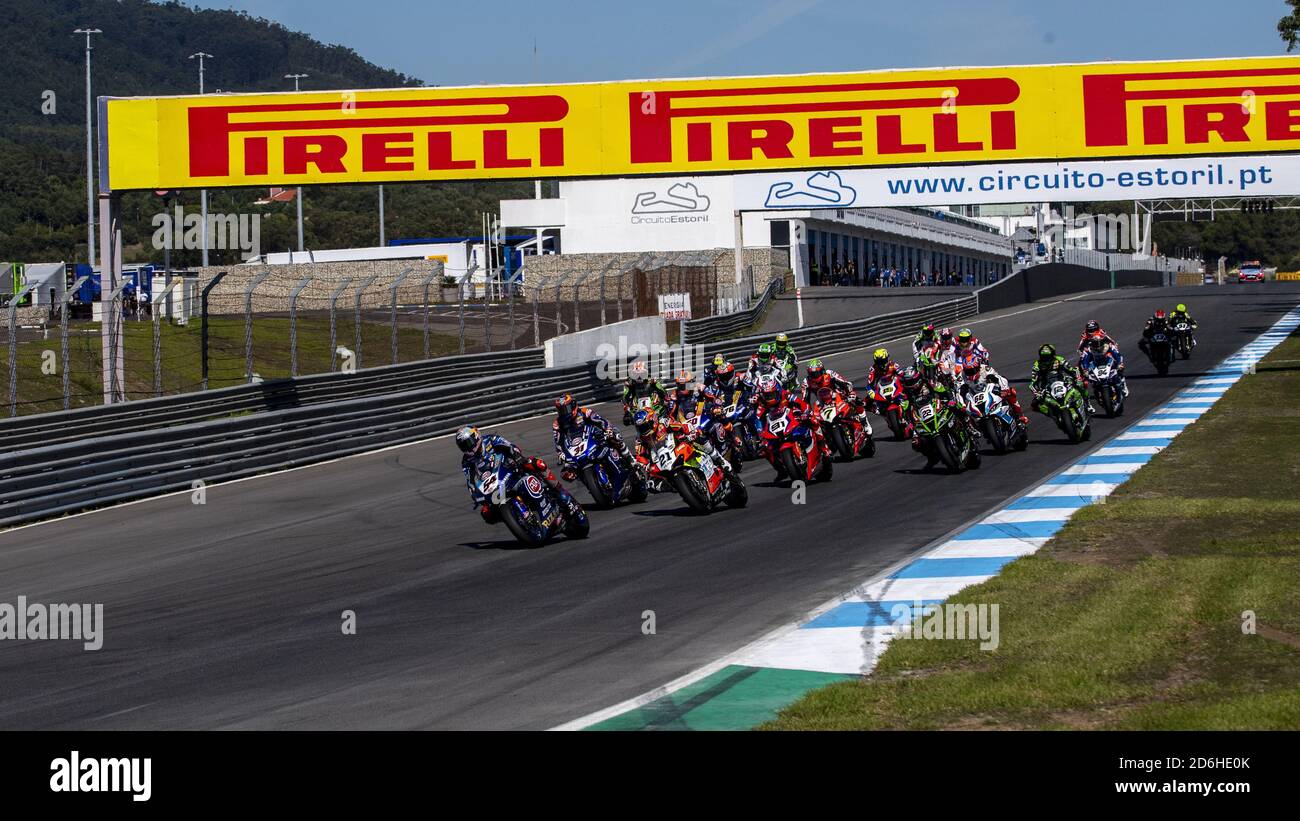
475,449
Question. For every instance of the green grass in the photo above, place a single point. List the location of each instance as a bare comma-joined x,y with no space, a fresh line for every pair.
1131,617
181,362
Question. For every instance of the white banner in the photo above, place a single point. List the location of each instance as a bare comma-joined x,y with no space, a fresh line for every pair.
675,306
1245,176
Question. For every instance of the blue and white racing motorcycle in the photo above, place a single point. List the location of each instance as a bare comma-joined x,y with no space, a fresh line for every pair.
531,509
609,478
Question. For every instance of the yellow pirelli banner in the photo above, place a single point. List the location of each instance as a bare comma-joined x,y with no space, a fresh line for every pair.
888,118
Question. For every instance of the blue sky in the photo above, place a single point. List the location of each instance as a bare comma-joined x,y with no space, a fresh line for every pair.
460,43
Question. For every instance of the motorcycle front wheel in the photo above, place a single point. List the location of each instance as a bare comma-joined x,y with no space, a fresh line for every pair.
524,526
691,487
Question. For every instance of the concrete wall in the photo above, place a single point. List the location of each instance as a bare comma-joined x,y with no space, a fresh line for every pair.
613,340
545,271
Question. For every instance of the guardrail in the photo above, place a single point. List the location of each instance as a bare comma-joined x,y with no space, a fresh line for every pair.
275,394
706,329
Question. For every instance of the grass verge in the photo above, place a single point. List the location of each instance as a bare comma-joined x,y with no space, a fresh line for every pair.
1132,616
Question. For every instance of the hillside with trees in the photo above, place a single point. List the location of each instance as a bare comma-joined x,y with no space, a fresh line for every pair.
144,51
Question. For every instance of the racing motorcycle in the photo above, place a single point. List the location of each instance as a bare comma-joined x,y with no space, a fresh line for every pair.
1003,430
1066,404
1107,385
703,484
608,478
794,448
847,429
892,403
1160,350
531,510
944,437
1182,334
740,416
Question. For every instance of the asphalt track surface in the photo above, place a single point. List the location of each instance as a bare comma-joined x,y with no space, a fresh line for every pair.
828,304
227,615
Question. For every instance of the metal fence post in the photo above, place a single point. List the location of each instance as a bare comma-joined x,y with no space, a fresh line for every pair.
603,275
155,305
577,319
248,322
334,298
558,296
13,347
437,274
487,322
460,289
293,324
356,322
537,317
392,316
63,336
203,325
510,321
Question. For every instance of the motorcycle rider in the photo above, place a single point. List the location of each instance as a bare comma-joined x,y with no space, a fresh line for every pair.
684,401
572,419
639,385
784,353
882,367
925,339
919,391
968,351
761,359
651,427
475,450
1180,314
770,397
1094,330
1098,348
976,375
1048,367
706,377
1157,323
819,376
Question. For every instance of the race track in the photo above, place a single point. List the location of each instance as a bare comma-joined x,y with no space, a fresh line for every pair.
227,615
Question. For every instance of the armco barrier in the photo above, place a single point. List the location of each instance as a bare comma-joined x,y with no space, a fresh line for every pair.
48,481
697,331
147,414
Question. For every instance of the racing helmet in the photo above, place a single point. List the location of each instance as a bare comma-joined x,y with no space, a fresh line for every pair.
766,350
769,390
927,331
723,372
782,341
971,371
945,336
683,380
719,360
1159,314
1046,352
1180,308
880,359
566,407
637,372
1092,327
468,439
911,379
816,370
644,420
1097,345
965,338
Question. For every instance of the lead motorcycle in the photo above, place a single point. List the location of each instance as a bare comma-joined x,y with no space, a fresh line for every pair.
1182,334
944,437
609,478
531,510
676,463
